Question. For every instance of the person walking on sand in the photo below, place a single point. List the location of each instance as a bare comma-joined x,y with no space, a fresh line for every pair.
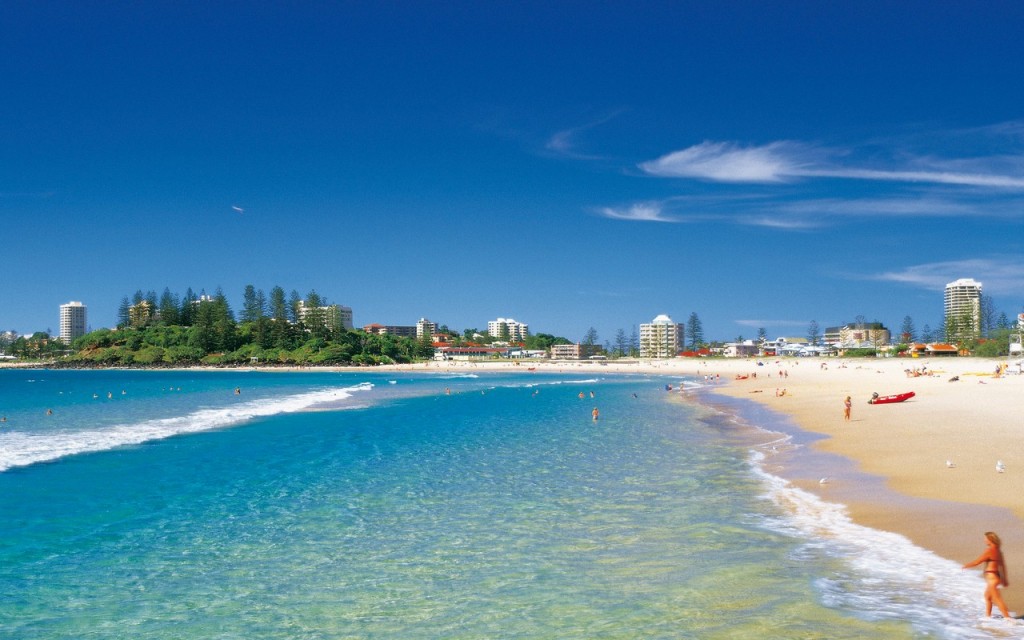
995,573
847,405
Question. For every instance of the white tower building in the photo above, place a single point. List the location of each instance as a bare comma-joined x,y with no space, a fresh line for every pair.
72,321
963,309
660,338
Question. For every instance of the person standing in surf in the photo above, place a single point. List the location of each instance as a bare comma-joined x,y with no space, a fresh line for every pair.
995,573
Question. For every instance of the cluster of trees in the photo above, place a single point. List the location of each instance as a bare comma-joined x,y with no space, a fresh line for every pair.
270,329
278,328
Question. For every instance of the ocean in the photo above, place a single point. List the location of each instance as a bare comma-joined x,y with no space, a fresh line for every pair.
164,504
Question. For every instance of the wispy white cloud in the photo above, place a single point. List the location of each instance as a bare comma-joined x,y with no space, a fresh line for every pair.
641,212
998,274
802,185
811,213
728,162
787,161
566,142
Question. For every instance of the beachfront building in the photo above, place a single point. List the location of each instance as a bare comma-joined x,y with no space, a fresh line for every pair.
333,316
72,321
471,353
963,309
858,335
403,331
745,349
661,338
508,329
574,351
425,328
140,313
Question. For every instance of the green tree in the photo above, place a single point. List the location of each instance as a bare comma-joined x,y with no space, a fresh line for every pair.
188,308
694,331
124,314
986,315
907,332
590,337
294,304
170,308
253,304
813,333
281,330
621,343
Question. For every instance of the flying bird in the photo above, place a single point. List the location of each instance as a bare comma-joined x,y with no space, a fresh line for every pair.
238,209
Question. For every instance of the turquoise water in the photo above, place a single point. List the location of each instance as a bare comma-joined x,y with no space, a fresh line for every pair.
327,505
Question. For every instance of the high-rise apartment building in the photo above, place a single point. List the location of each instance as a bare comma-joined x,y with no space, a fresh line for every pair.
660,338
425,328
508,329
963,309
72,321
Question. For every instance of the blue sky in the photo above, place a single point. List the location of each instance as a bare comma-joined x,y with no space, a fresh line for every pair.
566,164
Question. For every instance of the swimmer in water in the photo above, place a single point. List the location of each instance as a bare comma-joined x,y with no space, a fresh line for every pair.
595,413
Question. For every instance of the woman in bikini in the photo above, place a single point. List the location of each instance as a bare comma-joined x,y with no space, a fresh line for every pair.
995,574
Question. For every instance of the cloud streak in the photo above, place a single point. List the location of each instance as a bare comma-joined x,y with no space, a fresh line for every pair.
804,186
998,275
787,161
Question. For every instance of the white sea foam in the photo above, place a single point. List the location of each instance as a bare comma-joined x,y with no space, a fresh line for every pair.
888,577
20,449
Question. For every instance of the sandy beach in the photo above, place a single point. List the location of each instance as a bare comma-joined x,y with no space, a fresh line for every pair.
961,413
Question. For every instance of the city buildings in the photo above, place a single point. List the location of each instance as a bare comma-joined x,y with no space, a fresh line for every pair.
660,338
508,329
963,309
72,321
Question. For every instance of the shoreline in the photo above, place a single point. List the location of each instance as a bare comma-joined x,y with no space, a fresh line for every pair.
887,465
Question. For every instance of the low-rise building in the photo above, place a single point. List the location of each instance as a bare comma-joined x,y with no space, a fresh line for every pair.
574,351
745,349
858,335
391,330
470,353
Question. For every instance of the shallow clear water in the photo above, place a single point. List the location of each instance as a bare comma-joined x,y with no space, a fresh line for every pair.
325,505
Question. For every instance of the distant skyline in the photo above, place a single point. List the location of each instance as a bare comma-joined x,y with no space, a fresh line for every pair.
566,164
